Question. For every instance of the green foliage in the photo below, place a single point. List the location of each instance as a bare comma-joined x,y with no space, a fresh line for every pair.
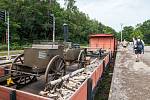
142,30
137,33
3,47
14,46
127,33
145,30
29,20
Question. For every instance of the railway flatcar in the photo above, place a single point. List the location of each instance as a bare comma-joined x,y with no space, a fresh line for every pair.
86,89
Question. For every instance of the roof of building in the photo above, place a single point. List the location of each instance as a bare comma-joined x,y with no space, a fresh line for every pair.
101,35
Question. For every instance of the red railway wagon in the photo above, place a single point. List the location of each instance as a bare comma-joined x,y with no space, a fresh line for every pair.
85,91
104,41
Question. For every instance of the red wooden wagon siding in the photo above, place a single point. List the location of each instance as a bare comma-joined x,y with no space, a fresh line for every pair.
1,71
81,93
97,73
5,93
104,41
106,59
20,95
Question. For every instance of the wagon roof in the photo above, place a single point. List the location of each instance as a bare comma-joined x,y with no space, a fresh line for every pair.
102,35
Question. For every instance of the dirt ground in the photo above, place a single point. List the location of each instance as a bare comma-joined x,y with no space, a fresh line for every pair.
131,80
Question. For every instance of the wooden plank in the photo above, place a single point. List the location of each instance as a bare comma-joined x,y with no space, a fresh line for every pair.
20,95
81,93
5,93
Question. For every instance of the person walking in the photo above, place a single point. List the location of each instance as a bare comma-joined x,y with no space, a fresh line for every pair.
138,48
124,44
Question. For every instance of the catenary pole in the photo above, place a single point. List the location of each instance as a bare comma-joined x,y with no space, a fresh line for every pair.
8,35
53,27
121,31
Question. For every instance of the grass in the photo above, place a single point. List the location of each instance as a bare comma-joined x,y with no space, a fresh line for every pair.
147,44
14,52
84,45
13,46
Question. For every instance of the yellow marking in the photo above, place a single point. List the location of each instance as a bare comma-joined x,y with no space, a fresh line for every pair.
9,81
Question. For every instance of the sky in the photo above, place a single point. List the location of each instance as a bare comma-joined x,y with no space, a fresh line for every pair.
113,13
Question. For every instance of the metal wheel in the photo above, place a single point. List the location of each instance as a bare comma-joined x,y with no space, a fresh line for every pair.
18,59
55,69
81,59
19,77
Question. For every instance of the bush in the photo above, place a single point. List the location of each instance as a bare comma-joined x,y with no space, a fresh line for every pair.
14,46
3,47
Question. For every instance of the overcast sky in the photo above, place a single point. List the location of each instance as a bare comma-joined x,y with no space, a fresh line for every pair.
115,12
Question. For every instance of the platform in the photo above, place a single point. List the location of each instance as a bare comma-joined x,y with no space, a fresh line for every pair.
131,80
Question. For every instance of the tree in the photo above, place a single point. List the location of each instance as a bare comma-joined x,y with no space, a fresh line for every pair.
126,32
145,29
29,20
136,33
70,5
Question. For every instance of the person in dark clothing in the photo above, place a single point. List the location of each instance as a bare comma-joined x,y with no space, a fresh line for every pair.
138,48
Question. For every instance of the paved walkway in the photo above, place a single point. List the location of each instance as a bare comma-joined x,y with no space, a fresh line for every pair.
131,80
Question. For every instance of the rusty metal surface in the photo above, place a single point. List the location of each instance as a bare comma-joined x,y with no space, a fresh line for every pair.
39,58
72,54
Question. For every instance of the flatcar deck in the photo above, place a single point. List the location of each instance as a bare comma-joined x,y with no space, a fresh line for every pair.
39,85
73,84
